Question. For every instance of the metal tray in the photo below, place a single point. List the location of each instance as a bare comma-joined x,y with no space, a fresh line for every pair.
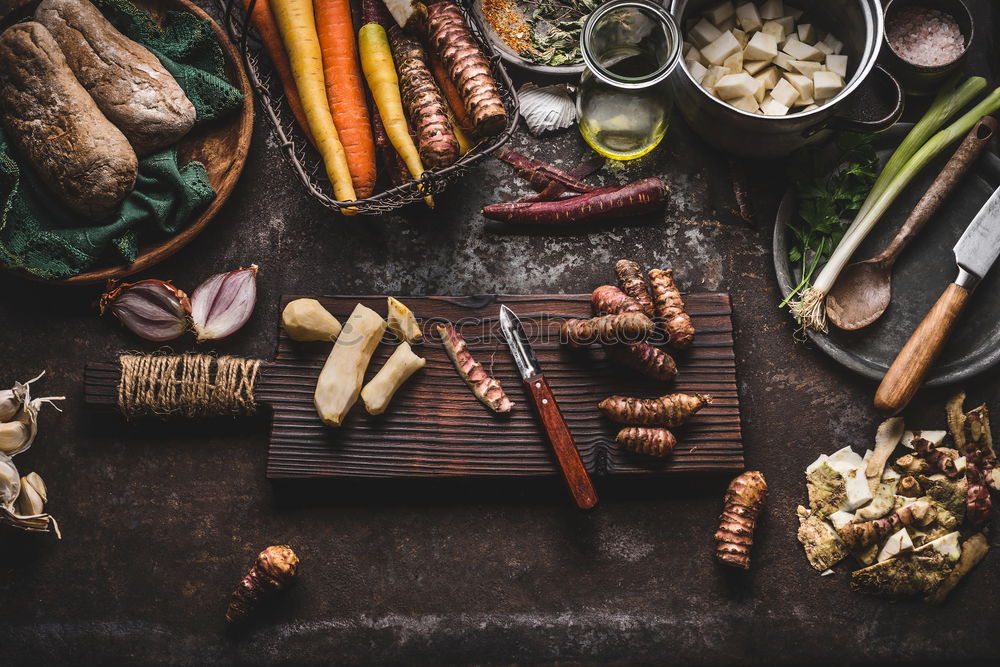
921,273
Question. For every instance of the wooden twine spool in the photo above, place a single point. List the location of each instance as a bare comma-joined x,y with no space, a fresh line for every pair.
192,385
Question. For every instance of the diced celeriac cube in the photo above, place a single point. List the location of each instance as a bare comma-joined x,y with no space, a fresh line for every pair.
715,73
859,493
772,9
720,49
804,101
810,107
761,91
734,63
703,33
804,85
794,12
754,66
840,518
836,46
784,61
774,29
806,33
788,24
733,86
823,48
772,107
694,55
845,460
769,77
761,47
807,67
837,64
728,24
748,104
747,17
826,85
697,70
720,12
823,458
933,437
801,51
741,37
898,543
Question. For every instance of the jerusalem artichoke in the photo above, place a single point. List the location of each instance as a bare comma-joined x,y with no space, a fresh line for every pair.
935,457
607,329
743,502
641,357
633,282
275,569
402,322
861,536
978,504
670,308
344,371
397,370
486,388
645,440
308,320
609,300
670,411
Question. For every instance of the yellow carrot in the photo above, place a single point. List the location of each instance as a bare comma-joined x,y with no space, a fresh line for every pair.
376,62
297,25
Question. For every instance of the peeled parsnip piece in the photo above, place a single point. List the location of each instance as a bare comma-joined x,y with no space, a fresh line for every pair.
397,369
344,372
307,320
402,322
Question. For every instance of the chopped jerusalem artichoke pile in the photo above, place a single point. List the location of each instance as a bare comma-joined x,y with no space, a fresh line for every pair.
912,511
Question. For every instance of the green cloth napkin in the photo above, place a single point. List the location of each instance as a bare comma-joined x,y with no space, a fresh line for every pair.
42,237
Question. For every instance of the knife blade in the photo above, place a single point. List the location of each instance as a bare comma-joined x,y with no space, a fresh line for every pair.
975,253
556,431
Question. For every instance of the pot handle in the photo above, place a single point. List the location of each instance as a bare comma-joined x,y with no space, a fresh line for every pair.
845,124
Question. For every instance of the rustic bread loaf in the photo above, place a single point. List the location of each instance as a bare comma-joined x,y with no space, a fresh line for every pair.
128,83
78,153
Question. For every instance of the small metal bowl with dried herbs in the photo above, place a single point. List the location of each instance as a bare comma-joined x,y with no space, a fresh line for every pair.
541,36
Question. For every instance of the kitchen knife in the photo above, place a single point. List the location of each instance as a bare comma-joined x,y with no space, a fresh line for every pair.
975,253
580,486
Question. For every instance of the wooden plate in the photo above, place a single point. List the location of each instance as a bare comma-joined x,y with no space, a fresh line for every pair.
921,273
221,146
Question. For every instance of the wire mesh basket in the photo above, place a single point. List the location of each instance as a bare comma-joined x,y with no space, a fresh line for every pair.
306,161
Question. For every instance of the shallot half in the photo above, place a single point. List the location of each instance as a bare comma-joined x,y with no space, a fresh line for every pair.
223,303
152,309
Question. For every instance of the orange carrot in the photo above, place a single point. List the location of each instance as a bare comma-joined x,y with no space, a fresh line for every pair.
345,90
263,21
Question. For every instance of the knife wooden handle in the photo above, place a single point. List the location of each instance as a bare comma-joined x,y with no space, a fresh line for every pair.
907,372
576,476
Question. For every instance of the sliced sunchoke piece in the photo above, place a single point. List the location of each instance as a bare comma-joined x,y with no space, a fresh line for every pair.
935,437
486,388
670,411
623,328
344,372
827,490
973,551
742,504
889,433
633,282
647,440
669,308
402,322
307,320
911,464
860,536
910,487
397,370
912,574
822,545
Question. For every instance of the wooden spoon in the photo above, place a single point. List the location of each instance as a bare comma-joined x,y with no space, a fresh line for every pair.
863,289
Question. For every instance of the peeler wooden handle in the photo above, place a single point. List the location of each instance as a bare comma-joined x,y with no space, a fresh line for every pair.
908,370
577,479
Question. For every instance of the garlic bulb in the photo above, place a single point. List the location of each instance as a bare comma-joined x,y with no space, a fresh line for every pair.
13,399
223,303
10,481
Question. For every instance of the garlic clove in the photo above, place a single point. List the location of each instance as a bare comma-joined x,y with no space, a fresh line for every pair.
14,437
223,303
15,398
30,502
10,481
152,309
35,481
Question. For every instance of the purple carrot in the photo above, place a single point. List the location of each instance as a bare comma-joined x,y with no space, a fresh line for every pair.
539,174
644,196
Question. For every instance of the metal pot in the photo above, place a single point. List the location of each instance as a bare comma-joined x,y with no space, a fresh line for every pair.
858,23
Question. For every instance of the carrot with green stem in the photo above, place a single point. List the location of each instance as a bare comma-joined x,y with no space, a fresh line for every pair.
380,72
263,20
345,91
298,32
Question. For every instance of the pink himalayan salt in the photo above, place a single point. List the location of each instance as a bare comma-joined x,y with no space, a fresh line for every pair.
925,36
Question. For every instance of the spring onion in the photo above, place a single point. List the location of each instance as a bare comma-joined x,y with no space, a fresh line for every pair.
811,310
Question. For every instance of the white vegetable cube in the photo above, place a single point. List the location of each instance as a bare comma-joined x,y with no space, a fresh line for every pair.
752,67
845,460
807,67
697,70
741,37
837,64
694,55
840,518
748,104
785,93
826,85
824,48
898,543
783,61
720,12
774,29
728,24
761,91
761,47
772,9
788,23
714,74
810,107
933,437
733,86
772,107
794,12
802,51
769,78
747,17
806,33
723,47
859,493
836,46
804,85
734,63
703,33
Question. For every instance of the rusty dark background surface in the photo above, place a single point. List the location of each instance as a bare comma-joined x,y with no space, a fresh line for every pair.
161,519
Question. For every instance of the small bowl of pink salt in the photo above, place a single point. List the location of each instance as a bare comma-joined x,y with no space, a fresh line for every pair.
927,41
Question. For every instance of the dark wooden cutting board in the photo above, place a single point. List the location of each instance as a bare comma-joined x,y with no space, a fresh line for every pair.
435,427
